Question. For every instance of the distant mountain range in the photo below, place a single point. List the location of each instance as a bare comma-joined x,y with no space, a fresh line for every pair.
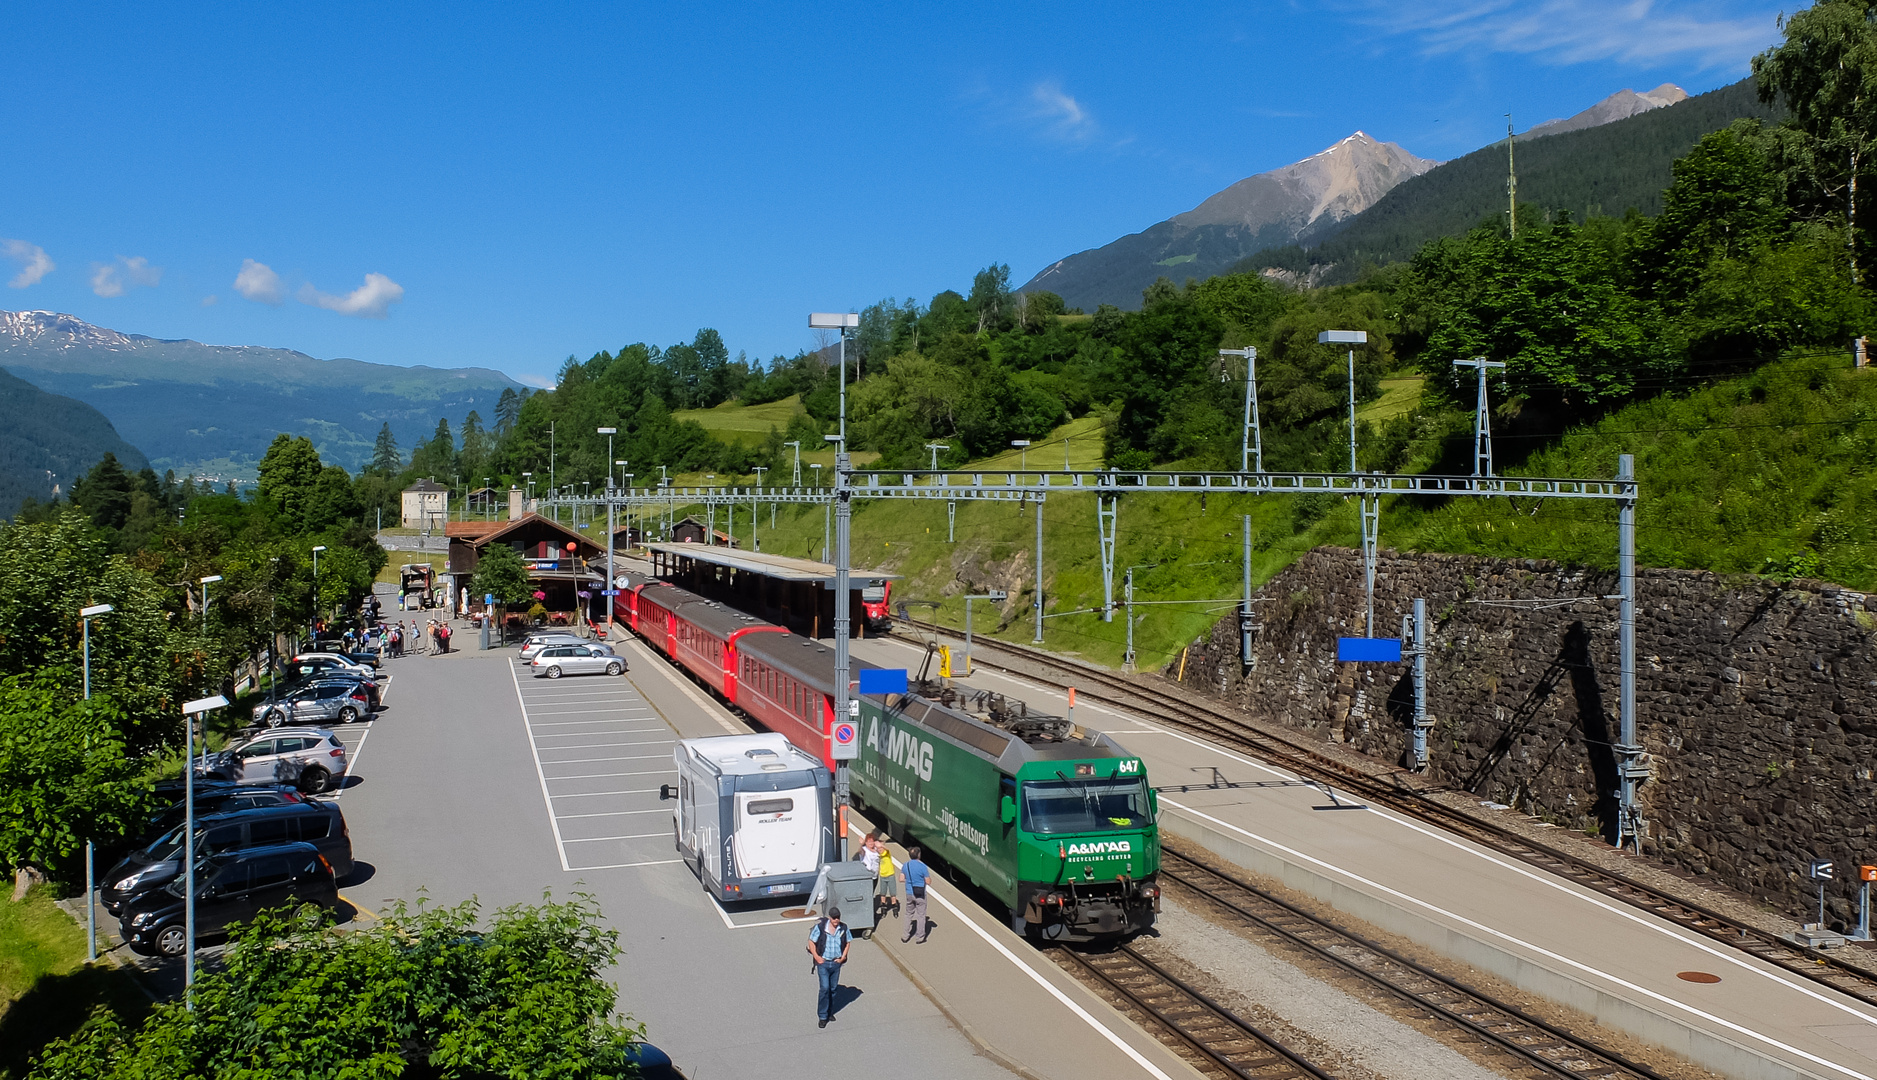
1305,203
211,410
48,441
1606,168
1621,105
1261,211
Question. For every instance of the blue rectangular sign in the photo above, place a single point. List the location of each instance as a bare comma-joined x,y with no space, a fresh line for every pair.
1369,650
609,592
882,680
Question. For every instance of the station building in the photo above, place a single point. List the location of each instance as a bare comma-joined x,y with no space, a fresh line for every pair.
561,563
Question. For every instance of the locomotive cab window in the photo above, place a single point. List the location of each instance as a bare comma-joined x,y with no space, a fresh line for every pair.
1083,806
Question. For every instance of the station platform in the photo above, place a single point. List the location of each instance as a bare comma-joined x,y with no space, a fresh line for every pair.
1613,962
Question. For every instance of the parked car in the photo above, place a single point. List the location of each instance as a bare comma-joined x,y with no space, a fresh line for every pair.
312,761
556,660
321,701
231,888
317,663
297,683
362,657
215,797
532,649
310,821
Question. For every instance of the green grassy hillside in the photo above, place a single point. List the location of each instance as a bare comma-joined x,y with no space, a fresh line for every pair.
1771,473
747,424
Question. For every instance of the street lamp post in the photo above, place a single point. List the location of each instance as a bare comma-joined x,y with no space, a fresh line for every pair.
843,514
85,615
1023,453
1351,338
205,583
609,432
755,544
190,711
313,626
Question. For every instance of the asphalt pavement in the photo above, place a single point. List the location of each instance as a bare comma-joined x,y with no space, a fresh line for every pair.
481,782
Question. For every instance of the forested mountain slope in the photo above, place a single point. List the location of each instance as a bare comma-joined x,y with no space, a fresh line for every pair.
47,441
1600,170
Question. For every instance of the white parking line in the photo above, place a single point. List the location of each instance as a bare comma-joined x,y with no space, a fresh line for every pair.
584,760
618,813
351,759
603,745
596,775
623,865
564,723
592,794
597,839
560,847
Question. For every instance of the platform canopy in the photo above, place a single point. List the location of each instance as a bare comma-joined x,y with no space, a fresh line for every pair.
779,567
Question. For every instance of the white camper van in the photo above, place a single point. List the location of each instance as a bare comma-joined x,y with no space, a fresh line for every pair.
754,815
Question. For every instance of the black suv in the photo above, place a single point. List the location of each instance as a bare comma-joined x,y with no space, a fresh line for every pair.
156,865
215,797
230,888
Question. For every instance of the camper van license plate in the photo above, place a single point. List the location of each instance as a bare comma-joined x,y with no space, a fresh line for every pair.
773,889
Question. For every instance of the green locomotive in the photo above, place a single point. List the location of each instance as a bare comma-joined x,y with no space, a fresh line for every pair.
1054,820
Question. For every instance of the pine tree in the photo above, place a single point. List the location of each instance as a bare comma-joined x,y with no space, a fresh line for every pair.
385,459
507,411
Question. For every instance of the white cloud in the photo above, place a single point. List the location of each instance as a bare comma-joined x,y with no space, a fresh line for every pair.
114,279
258,282
1060,114
368,301
34,263
1575,31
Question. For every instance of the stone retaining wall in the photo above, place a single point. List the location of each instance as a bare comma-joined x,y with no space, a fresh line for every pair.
1756,700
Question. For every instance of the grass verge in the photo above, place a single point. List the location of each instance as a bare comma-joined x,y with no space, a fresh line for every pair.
47,991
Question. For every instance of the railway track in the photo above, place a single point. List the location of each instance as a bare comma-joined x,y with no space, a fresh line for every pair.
1222,1039
1222,727
1528,1046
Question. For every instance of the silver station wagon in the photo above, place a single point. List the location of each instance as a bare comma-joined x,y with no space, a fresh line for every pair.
561,659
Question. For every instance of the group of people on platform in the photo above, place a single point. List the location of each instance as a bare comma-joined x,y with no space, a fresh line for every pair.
830,939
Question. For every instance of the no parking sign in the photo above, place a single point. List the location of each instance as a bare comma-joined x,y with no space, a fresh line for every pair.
845,740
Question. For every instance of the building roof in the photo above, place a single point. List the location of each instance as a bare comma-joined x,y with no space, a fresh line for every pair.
478,533
780,567
427,484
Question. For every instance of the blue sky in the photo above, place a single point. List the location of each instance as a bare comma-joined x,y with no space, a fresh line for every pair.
503,185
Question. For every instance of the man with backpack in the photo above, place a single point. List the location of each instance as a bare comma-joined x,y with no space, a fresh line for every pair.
828,943
915,874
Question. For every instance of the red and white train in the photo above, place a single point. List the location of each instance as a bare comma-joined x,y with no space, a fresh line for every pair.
783,681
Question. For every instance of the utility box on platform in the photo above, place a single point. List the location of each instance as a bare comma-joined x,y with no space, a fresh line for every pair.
848,886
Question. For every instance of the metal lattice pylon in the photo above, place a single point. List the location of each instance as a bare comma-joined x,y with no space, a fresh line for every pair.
1482,418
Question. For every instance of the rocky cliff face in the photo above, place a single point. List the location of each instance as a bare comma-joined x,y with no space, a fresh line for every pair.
1267,210
1756,700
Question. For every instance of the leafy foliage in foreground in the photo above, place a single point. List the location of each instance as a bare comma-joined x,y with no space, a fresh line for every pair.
422,993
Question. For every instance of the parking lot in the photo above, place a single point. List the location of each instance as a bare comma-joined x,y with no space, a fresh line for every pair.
601,753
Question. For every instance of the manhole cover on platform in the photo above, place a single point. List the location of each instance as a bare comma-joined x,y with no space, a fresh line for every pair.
1697,977
802,913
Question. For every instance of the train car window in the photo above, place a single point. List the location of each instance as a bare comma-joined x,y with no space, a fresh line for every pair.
759,807
1076,806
